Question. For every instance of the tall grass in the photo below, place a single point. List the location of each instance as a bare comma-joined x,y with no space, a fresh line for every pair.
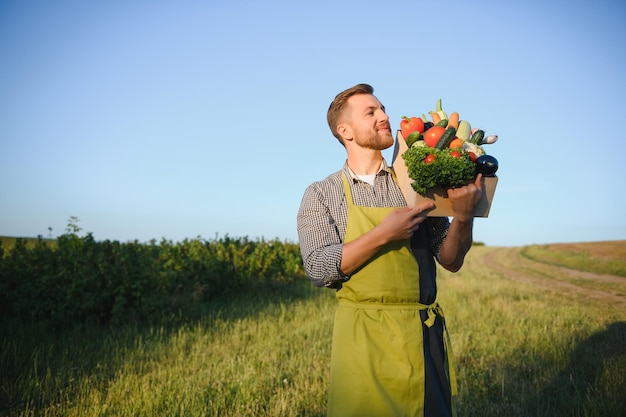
523,351
264,354
519,350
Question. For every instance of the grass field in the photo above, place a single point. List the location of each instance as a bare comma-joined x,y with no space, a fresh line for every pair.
534,333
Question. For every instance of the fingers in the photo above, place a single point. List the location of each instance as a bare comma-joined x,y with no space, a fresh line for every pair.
420,210
415,223
405,221
478,182
468,190
424,206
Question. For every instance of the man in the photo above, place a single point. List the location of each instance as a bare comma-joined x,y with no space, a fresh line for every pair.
358,236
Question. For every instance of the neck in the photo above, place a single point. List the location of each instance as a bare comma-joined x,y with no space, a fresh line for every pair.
365,163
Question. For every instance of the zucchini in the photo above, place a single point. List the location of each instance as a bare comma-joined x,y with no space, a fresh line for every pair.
446,138
412,138
442,123
477,137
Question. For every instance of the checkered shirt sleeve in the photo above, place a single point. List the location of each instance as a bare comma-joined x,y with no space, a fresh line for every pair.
322,220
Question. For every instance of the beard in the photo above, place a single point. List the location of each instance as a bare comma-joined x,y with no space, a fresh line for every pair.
374,140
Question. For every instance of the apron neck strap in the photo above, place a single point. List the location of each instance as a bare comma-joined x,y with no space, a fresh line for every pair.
346,189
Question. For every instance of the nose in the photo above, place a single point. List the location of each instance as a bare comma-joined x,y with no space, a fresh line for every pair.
382,116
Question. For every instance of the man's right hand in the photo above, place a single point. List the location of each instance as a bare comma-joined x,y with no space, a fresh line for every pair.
397,225
403,222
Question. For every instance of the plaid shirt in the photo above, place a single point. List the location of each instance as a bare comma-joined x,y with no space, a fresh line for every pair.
322,220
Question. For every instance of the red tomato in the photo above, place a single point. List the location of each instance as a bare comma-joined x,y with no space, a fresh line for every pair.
409,125
432,135
429,158
455,154
472,156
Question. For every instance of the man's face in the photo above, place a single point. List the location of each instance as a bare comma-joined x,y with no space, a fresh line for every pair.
368,123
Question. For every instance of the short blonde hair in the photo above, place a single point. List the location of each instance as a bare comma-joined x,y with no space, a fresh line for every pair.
339,103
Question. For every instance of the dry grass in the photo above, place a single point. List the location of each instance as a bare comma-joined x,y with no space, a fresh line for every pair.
607,250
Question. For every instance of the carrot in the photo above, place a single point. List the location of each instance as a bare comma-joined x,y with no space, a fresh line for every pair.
436,118
456,143
453,120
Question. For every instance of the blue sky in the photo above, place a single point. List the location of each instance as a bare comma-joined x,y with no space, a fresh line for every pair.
154,119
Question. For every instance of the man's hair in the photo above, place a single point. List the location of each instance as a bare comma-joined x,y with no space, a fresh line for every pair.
338,105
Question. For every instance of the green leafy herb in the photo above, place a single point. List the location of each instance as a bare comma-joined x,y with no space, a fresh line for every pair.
444,171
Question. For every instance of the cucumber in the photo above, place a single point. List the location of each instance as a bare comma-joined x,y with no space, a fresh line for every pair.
412,138
446,138
442,123
477,137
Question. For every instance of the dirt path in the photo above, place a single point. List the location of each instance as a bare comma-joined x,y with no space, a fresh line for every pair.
579,284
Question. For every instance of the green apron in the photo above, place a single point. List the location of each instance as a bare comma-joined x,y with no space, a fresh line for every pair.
377,360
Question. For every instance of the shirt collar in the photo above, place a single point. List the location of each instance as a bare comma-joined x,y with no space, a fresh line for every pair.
348,171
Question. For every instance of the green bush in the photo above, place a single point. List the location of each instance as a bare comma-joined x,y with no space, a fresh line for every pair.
78,279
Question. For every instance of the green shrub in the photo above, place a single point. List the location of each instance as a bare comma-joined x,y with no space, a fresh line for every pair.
79,279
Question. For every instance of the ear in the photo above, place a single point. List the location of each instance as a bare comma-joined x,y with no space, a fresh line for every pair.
345,131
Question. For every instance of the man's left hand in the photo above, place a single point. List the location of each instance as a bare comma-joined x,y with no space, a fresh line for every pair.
464,199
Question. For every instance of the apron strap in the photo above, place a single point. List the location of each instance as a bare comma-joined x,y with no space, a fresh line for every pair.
346,189
433,310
